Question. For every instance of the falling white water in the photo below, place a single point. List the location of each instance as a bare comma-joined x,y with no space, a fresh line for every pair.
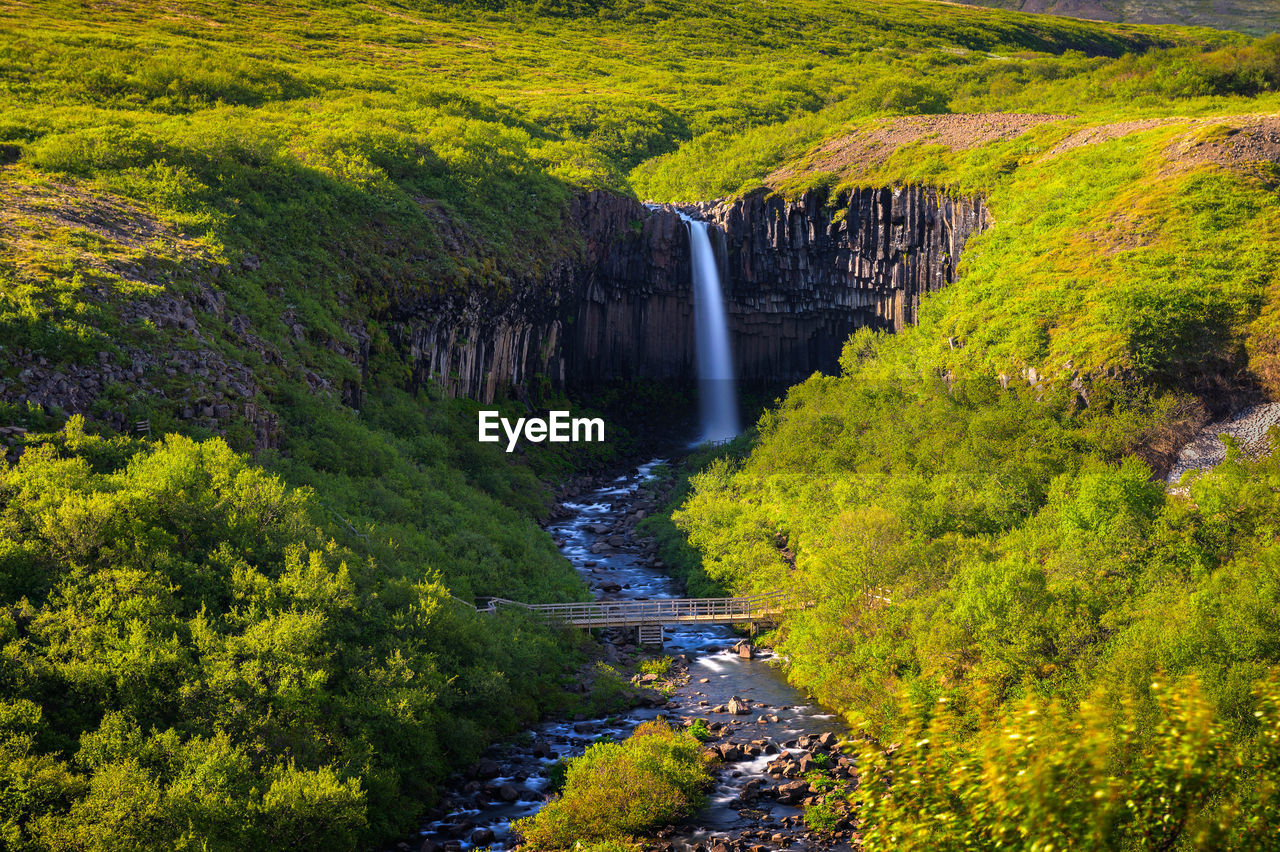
717,393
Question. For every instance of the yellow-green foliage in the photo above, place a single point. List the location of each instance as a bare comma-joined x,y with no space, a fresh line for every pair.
1111,257
1040,777
199,654
617,791
658,666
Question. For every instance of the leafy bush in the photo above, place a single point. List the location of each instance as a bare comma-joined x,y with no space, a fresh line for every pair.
700,731
1101,779
190,654
658,666
619,790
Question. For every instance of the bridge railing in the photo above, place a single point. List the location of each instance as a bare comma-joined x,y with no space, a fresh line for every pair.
672,610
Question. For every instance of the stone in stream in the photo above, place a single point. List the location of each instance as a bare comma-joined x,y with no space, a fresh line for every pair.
482,837
487,769
508,793
738,706
792,792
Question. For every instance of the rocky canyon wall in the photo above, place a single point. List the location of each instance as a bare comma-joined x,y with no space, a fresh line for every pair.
799,277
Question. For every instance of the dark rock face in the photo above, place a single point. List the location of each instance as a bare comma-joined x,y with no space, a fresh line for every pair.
800,276
803,275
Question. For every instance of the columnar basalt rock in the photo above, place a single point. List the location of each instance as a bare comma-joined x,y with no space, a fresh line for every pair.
800,276
804,274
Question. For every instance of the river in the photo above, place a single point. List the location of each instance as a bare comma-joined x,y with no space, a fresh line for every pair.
780,714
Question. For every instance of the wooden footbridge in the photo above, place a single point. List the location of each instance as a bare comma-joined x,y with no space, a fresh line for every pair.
649,617
760,609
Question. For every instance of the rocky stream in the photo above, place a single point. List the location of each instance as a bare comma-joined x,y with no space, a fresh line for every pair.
766,735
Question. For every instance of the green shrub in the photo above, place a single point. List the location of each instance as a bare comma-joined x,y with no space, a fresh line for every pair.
610,691
658,666
191,654
1102,779
821,817
616,791
699,731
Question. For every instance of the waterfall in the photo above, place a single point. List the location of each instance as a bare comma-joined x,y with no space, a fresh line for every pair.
717,393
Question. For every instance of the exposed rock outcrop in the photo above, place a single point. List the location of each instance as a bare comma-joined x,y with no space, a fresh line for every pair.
803,275
800,276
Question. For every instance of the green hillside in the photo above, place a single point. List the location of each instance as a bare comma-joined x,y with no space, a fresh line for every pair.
239,633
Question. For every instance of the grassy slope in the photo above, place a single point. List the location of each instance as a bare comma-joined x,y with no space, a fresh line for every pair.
1257,17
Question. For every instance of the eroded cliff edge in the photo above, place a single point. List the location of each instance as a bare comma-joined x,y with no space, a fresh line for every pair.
800,276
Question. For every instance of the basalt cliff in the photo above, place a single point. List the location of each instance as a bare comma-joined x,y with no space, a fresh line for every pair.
799,277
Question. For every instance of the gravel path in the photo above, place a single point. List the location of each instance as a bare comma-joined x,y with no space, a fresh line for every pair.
1248,426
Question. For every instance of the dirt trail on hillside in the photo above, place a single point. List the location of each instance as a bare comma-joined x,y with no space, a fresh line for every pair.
1107,132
